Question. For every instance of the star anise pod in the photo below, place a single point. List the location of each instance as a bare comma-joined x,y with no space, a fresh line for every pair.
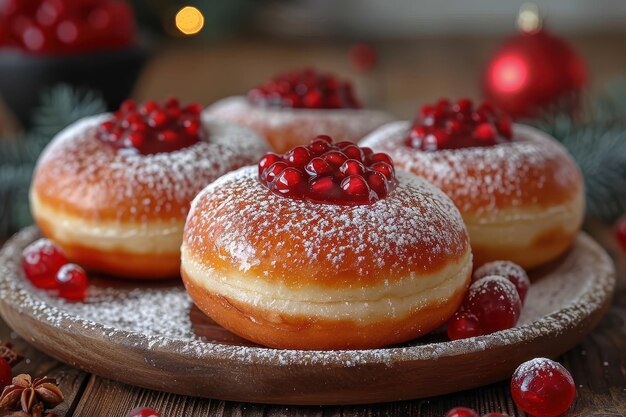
31,397
8,354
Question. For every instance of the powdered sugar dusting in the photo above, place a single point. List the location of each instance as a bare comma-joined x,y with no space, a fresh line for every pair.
413,230
88,175
532,169
157,317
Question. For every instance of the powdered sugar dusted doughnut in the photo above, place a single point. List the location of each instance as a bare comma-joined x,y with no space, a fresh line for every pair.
291,273
522,200
123,212
285,128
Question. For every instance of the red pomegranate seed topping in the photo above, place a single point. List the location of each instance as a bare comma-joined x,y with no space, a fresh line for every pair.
495,302
41,260
305,88
543,388
510,271
462,412
464,325
152,128
322,172
459,125
72,282
6,374
143,412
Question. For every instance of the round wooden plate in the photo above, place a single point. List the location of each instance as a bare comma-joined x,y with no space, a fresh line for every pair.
150,335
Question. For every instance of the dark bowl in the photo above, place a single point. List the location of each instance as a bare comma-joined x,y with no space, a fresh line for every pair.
24,77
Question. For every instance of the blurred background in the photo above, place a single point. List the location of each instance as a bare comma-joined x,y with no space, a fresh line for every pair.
558,64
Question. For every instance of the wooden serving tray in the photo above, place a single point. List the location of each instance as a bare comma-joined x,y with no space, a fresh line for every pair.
151,335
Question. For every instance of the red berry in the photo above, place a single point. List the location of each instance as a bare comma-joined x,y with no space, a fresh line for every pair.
143,412
41,261
72,282
462,412
543,388
464,325
508,270
620,233
6,374
494,300
445,126
304,89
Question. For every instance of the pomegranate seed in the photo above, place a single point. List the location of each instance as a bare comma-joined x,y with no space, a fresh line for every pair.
304,89
510,271
329,177
352,167
299,156
464,325
355,185
462,412
193,109
442,126
353,152
288,180
322,185
275,169
620,233
384,168
41,261
268,160
336,158
317,166
6,374
494,300
72,282
543,388
143,412
151,129
381,157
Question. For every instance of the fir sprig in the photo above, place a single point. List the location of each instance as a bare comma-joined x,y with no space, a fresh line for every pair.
60,106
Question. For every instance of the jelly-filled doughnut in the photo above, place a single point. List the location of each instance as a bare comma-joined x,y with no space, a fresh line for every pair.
325,247
519,191
114,190
293,107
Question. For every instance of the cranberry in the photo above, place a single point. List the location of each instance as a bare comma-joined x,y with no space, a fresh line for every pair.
495,302
41,260
464,325
6,374
305,88
620,233
152,128
143,412
72,282
462,412
323,172
459,125
508,270
542,388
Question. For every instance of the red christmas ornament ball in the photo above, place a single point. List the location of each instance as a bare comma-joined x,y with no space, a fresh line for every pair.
532,70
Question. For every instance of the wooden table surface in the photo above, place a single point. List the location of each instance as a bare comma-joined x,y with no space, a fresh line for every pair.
598,366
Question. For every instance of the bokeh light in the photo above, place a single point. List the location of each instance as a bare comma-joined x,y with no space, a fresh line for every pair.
189,20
